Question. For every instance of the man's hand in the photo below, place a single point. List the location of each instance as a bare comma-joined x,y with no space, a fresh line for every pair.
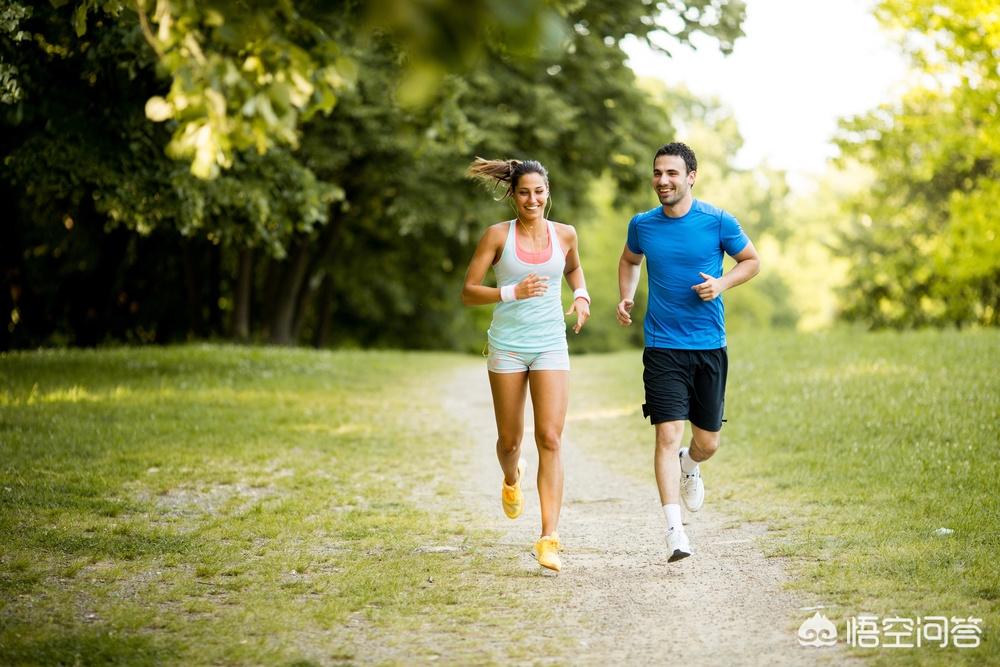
625,312
709,289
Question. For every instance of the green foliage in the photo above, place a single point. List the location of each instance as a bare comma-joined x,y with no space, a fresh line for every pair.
358,237
241,76
446,37
85,161
11,15
806,258
601,238
925,248
246,75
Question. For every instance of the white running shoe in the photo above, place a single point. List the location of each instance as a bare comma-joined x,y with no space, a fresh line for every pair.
677,544
692,490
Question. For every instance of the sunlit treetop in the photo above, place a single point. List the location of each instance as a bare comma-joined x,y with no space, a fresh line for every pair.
246,74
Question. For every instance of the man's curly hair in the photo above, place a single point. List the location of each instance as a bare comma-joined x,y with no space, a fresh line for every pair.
680,150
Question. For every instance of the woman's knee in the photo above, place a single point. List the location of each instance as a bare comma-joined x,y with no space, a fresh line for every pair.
508,443
548,439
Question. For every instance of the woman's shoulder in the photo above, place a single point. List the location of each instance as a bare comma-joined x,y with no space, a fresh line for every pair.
497,231
503,227
565,232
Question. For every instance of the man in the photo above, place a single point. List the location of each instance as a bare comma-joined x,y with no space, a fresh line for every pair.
685,363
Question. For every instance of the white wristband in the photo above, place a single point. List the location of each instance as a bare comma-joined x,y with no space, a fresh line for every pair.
581,294
507,293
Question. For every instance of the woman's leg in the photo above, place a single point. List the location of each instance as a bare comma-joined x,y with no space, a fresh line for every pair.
509,393
549,399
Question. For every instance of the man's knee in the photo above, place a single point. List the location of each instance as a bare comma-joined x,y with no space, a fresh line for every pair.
669,434
704,444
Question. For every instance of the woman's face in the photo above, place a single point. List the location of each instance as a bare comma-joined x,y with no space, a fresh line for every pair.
530,196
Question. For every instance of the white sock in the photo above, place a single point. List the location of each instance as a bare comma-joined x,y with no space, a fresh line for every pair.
688,465
673,514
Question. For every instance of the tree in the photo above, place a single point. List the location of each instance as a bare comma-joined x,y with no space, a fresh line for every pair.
326,241
84,156
508,105
925,246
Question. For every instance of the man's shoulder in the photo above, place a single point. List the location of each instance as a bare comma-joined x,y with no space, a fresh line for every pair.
704,208
652,213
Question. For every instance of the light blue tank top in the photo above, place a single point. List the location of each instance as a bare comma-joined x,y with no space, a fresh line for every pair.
536,324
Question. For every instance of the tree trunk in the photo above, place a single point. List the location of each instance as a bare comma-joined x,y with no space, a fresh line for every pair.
325,310
286,300
214,289
195,327
317,274
242,297
305,298
272,281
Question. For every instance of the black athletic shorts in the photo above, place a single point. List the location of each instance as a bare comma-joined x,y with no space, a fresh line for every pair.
685,385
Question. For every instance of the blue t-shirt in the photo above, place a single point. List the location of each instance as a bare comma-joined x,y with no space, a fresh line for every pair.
676,250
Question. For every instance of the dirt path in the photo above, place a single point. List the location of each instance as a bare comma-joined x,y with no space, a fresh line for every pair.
626,605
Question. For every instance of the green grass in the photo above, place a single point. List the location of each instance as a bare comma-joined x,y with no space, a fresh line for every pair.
242,506
854,448
216,505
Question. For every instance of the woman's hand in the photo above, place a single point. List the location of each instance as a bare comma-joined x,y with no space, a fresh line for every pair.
582,309
533,285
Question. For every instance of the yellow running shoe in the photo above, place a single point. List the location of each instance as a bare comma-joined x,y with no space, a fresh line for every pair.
547,551
512,498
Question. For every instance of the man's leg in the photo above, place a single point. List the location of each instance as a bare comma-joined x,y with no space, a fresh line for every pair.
706,410
666,464
665,461
703,444
666,379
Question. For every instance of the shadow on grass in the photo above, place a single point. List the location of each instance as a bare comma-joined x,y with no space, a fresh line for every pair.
23,645
121,542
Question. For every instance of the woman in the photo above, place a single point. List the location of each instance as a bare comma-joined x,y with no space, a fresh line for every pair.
527,338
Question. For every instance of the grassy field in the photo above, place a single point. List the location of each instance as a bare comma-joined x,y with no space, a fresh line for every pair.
855,449
218,505
222,505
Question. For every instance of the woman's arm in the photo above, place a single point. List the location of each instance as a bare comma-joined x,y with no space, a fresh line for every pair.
574,276
474,293
573,270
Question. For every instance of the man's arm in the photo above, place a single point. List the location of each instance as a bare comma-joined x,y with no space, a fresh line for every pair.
629,268
747,266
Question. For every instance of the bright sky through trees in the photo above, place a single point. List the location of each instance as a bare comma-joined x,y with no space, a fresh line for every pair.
802,65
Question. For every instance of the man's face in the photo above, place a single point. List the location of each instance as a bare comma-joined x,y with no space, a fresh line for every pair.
671,179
